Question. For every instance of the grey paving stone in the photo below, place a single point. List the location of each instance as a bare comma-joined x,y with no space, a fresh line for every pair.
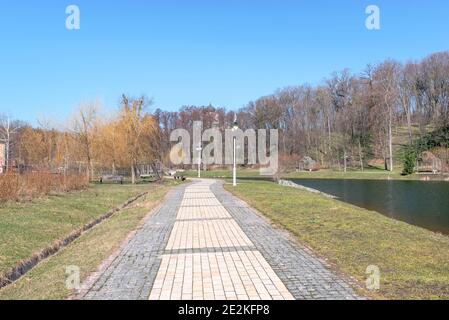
303,274
131,275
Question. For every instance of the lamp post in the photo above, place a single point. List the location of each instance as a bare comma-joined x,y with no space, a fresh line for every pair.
199,149
235,127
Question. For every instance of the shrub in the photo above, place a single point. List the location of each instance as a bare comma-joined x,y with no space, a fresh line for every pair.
14,187
9,187
439,138
410,158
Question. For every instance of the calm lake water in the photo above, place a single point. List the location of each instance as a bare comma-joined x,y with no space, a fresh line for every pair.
424,204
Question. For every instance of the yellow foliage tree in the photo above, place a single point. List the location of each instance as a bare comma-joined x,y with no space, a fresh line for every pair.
138,131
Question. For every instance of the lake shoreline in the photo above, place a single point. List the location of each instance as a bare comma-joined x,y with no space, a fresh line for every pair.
419,203
291,184
366,175
413,261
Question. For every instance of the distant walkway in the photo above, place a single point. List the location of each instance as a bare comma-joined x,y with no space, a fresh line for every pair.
203,243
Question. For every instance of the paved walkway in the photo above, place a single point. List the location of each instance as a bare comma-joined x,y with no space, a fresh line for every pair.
203,243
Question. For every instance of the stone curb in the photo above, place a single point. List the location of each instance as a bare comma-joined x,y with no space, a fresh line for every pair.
291,184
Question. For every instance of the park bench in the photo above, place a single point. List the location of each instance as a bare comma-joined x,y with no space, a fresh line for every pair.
148,177
111,178
179,177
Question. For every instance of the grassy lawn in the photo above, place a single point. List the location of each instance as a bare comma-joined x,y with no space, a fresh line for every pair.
216,174
47,279
414,262
28,227
370,174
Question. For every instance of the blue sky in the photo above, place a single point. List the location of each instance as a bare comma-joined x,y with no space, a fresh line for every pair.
196,52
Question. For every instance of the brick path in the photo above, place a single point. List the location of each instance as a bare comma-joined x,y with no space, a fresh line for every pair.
203,243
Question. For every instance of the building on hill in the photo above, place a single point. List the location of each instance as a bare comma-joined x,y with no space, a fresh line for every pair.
429,162
308,164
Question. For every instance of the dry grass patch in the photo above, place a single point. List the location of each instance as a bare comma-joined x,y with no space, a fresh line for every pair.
26,228
47,279
15,187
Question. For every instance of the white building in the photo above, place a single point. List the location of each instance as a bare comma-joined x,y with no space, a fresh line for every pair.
2,157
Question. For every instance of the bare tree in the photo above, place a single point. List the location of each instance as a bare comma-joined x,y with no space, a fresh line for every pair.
350,120
8,131
406,89
386,77
84,125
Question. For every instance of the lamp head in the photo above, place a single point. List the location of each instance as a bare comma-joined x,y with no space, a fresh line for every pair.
235,125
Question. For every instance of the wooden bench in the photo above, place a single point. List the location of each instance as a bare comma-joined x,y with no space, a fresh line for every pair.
180,177
147,176
111,178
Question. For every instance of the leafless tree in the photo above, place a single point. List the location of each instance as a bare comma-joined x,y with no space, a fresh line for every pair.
8,130
83,126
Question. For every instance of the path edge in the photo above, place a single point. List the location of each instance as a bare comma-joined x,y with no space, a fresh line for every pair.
354,283
93,277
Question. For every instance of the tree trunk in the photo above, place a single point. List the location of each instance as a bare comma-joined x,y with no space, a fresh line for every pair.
345,161
409,127
7,155
338,160
390,139
330,141
91,169
133,175
361,156
156,171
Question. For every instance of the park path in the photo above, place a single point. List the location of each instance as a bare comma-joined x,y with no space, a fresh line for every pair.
205,244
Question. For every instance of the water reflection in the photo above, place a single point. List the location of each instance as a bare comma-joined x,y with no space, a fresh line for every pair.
424,204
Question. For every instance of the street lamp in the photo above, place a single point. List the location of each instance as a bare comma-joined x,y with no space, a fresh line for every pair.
235,127
199,149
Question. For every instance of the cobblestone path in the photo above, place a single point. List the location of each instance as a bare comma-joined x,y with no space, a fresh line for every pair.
203,243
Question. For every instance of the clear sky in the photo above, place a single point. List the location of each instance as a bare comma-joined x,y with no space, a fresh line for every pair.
196,52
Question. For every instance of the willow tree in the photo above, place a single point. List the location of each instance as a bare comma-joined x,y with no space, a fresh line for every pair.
138,130
110,143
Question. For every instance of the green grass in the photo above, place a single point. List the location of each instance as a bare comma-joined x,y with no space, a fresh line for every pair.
370,174
218,174
47,279
414,262
28,227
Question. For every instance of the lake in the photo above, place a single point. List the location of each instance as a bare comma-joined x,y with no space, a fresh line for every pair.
424,204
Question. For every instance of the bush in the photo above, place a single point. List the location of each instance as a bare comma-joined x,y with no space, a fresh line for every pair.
410,158
9,187
439,138
14,187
